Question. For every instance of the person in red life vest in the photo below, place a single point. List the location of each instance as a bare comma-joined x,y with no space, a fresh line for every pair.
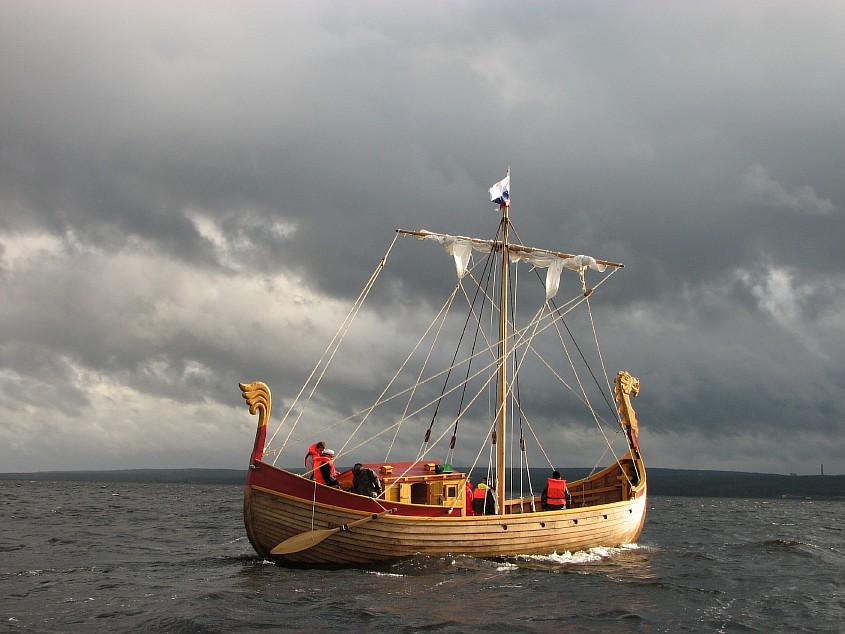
483,500
555,496
314,452
324,471
469,497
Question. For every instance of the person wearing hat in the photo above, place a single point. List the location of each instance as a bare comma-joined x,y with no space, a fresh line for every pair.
555,496
324,471
483,499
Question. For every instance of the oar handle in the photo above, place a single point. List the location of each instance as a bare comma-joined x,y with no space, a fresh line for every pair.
374,516
311,538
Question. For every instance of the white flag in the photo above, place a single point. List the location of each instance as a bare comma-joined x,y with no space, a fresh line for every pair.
500,193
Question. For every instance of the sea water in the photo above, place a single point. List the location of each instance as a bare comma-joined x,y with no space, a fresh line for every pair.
96,557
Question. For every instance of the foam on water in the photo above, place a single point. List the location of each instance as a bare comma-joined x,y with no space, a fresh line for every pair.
598,553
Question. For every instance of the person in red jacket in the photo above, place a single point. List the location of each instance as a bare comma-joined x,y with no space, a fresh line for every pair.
314,451
324,471
469,498
555,496
483,499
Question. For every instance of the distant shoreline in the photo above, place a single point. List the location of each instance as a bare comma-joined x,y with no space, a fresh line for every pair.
662,482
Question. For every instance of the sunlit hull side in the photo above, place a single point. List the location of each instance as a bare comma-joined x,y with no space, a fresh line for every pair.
279,505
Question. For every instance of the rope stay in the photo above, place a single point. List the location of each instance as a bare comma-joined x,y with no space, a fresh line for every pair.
549,318
445,311
470,314
333,347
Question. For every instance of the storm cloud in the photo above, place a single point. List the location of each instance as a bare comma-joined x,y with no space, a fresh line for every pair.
191,195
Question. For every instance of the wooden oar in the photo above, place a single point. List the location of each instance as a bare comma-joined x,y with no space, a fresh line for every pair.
304,541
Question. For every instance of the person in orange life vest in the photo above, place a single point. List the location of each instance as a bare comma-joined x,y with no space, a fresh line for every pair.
469,497
483,500
324,471
314,452
555,496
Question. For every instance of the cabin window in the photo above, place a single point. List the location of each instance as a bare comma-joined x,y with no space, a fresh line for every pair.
419,493
451,492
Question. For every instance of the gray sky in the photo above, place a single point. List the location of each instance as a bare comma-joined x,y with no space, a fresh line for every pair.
191,194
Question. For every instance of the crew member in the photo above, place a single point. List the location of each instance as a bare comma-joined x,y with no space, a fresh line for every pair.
324,471
483,500
314,452
365,481
555,496
469,497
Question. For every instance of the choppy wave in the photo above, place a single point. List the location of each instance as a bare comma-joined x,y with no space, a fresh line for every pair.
599,553
125,558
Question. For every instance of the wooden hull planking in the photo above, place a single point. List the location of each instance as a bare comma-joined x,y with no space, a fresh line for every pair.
272,515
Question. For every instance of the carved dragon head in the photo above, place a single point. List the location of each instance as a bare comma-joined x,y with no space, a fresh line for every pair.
628,384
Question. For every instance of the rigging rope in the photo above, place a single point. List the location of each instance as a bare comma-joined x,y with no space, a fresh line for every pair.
395,376
444,310
406,390
422,454
549,315
485,274
333,346
607,380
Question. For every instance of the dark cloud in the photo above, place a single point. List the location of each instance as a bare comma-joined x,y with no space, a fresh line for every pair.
190,195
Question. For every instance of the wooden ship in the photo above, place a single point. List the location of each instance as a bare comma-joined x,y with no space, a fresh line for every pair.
423,508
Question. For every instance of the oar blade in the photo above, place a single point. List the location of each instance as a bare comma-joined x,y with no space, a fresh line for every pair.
302,541
306,540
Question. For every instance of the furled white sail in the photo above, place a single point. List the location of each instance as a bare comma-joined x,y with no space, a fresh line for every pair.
555,265
460,247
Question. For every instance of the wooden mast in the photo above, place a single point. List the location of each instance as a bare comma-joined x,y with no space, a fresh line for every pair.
501,423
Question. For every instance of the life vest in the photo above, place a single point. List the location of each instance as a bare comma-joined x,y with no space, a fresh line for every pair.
470,496
556,493
319,461
313,453
482,501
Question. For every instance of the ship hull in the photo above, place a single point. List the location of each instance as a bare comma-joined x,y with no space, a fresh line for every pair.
279,505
